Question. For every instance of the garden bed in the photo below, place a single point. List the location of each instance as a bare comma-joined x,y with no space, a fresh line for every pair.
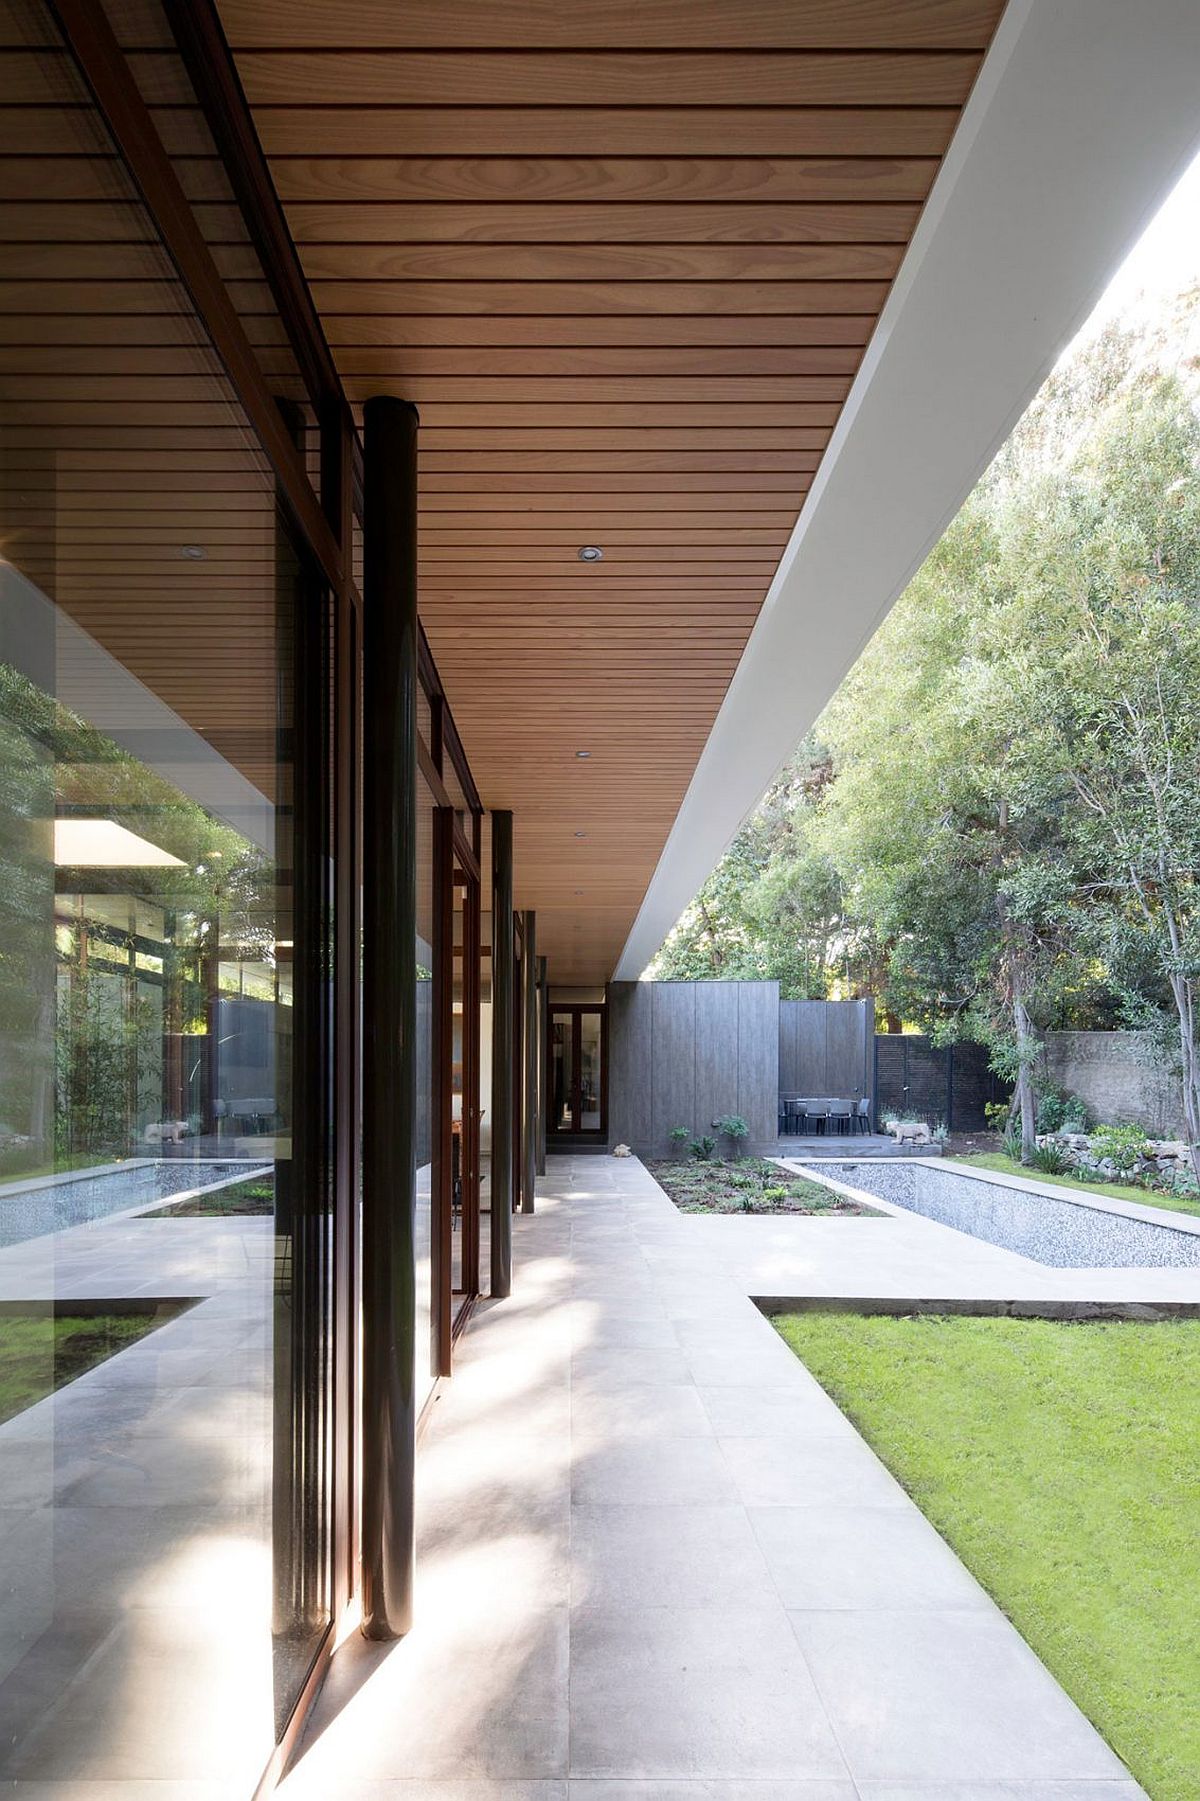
751,1185
1113,1191
1060,1462
42,1349
256,1195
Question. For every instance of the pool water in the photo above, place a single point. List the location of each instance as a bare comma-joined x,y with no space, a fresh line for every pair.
53,1206
1066,1234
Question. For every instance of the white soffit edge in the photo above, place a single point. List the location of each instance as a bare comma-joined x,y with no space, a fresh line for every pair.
1084,115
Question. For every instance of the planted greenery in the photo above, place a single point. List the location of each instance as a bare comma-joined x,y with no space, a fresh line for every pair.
40,1353
1061,1463
256,1195
754,1185
995,826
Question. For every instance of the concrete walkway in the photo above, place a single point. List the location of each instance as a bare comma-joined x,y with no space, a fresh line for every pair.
657,1564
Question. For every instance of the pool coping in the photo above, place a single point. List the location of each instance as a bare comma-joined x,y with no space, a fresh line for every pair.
979,1307
33,1184
1089,1200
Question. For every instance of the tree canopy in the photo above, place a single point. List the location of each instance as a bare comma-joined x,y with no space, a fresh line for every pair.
995,826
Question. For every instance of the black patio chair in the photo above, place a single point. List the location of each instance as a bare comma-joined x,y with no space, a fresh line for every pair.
862,1115
840,1114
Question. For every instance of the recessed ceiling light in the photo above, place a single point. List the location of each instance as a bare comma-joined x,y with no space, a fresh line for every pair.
103,844
583,754
195,553
590,553
581,834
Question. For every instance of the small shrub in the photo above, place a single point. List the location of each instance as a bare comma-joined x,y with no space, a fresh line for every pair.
733,1127
1051,1106
1122,1146
1051,1161
996,1114
679,1136
703,1148
775,1194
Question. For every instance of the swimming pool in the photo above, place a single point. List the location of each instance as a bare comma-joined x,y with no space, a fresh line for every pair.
1066,1234
54,1203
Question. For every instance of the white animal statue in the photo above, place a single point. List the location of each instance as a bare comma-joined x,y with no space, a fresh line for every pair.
908,1131
622,1150
166,1131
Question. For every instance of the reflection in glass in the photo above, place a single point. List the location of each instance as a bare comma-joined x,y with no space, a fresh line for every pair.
589,1072
562,1073
425,1123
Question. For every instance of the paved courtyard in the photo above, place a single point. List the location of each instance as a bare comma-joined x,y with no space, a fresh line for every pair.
658,1564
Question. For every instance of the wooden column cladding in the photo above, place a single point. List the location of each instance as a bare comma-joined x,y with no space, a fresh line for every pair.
389,1075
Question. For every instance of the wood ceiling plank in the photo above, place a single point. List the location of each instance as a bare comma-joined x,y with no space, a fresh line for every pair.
575,512
629,459
727,416
58,295
610,491
628,456
823,222
639,331
494,263
587,131
746,180
705,24
654,363
797,395
610,78
530,298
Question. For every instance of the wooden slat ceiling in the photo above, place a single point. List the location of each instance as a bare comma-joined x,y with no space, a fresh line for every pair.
625,256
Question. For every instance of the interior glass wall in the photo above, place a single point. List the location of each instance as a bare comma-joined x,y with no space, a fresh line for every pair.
165,1198
426,1365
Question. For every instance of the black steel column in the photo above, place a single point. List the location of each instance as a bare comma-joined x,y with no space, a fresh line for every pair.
502,1054
389,1075
543,1088
529,972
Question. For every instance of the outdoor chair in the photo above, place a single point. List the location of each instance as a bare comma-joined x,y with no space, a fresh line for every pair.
862,1117
818,1118
840,1115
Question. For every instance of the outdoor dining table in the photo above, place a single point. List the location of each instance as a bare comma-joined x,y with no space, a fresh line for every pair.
802,1108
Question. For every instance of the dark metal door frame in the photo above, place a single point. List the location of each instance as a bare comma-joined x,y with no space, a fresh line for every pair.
577,1009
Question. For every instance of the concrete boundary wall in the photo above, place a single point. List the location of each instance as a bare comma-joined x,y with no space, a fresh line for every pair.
683,1053
1119,1076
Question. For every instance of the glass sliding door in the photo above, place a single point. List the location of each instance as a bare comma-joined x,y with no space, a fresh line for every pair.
166,929
577,1071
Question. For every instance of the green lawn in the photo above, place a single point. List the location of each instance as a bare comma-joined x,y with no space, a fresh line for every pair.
39,1354
1062,1462
751,1185
1114,1191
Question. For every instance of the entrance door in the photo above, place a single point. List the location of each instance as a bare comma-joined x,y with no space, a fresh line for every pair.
578,1071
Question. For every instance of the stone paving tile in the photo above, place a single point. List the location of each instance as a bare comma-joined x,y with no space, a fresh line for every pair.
685,1577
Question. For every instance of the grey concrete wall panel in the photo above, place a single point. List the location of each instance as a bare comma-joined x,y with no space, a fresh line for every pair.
843,1048
630,1025
674,1061
814,1062
758,1059
716,1051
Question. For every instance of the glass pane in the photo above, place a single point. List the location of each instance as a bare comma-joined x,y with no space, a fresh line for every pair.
562,1073
457,1171
425,1122
165,1267
589,1071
